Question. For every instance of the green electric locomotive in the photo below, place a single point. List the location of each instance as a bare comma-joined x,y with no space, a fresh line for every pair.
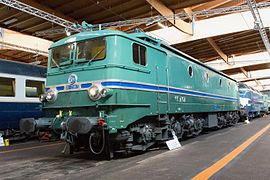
111,91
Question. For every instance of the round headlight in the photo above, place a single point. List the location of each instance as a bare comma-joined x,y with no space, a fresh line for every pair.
42,97
94,92
51,95
106,92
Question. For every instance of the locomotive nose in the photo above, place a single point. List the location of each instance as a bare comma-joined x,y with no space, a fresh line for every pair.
81,125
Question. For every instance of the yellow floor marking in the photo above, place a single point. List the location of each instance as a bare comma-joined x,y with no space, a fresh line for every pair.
207,173
29,148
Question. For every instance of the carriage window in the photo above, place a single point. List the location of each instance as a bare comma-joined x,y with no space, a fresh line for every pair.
7,87
91,50
34,88
139,54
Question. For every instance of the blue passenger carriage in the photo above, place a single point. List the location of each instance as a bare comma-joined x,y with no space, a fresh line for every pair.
20,87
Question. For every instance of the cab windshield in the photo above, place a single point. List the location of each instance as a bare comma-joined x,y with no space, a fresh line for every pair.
86,51
90,50
62,55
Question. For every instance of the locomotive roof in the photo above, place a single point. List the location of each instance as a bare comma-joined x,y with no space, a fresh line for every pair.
18,68
243,86
87,35
155,43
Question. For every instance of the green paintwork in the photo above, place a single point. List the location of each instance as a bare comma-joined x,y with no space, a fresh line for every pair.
164,67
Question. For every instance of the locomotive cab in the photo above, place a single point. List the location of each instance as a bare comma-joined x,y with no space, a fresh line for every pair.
83,71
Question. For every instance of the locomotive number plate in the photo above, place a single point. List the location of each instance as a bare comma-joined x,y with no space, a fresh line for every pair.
73,86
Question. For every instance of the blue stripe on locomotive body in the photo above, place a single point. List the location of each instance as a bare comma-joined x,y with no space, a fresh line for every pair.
17,68
12,112
165,89
147,87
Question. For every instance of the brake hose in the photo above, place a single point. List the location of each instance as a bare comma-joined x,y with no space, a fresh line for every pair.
103,143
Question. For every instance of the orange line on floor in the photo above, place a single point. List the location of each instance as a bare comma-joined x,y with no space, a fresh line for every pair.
207,173
29,148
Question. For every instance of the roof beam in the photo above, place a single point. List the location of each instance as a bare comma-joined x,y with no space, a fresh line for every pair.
210,40
3,56
244,72
10,16
22,22
253,79
46,23
265,84
257,82
215,26
27,43
211,5
253,67
165,11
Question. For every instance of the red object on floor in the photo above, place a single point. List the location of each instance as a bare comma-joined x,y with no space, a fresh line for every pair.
44,136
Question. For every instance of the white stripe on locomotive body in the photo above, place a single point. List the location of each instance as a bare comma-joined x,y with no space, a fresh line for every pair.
20,81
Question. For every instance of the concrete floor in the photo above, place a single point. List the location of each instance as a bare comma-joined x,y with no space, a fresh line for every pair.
34,160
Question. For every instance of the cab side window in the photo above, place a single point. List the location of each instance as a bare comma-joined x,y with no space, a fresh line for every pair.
139,54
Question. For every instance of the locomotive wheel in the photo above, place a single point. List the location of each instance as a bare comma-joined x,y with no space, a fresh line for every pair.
198,127
221,122
178,129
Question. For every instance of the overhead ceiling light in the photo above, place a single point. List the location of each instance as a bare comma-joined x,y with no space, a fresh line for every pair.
10,21
68,33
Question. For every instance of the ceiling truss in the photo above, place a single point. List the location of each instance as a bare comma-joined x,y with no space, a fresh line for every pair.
39,13
258,23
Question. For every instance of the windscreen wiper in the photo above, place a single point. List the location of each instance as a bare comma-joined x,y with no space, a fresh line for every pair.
95,55
55,63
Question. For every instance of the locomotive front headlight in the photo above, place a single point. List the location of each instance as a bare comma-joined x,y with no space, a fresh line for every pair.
94,93
106,92
51,95
42,97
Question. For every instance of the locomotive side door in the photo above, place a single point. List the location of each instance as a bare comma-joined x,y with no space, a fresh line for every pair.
162,83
